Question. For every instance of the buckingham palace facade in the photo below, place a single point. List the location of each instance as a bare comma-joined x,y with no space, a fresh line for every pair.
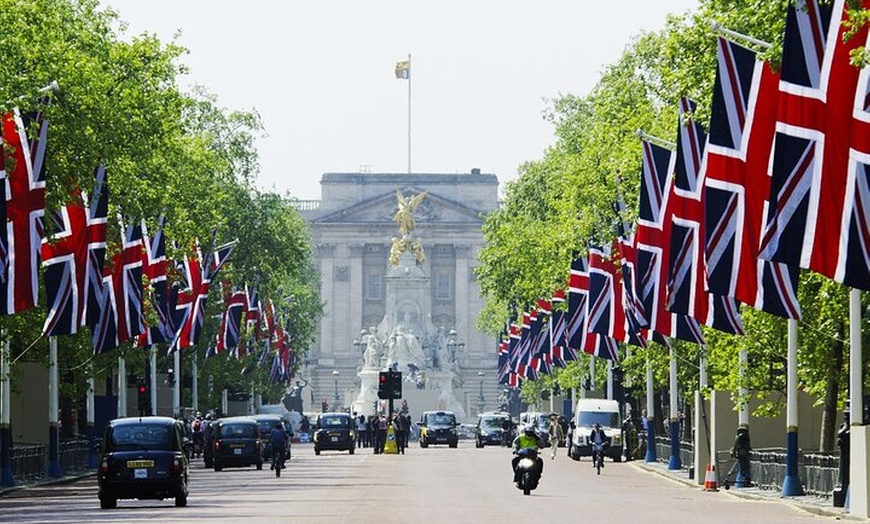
352,228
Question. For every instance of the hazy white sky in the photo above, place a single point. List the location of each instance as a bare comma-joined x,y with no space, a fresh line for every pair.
320,74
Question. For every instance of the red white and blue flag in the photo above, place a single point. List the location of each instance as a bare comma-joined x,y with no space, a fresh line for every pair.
819,214
737,184
559,354
652,247
73,256
24,207
154,268
121,315
687,282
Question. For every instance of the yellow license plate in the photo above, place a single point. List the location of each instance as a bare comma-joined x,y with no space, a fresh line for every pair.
140,464
237,445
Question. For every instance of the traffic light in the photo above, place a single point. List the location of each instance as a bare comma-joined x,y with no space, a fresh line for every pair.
144,400
390,384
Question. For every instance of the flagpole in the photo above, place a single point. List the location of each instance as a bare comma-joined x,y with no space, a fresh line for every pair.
54,470
650,412
674,463
859,490
7,478
176,384
122,386
153,378
409,113
791,486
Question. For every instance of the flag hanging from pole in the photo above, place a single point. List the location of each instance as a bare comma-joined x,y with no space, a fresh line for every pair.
403,69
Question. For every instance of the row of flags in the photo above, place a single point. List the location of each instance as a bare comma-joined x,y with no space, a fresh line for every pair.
82,288
781,182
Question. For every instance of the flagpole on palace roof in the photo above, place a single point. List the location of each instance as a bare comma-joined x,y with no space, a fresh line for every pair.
409,113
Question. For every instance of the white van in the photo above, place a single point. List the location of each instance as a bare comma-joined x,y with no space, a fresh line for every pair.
589,412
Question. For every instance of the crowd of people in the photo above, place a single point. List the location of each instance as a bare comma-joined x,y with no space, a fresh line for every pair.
372,431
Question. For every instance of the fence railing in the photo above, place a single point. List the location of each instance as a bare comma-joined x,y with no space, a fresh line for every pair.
30,461
817,471
663,451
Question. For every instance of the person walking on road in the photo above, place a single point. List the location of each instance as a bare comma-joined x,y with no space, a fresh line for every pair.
403,426
556,435
380,434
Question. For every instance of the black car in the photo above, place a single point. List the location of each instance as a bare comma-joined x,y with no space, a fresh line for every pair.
143,458
490,429
334,431
237,443
265,424
438,427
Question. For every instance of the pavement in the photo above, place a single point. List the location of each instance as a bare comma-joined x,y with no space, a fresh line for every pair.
47,481
809,503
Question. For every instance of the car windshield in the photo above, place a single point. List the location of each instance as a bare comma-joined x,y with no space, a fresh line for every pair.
606,419
265,426
492,422
238,431
544,423
335,422
141,437
441,420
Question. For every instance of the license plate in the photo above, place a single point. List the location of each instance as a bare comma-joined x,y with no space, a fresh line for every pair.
140,473
237,445
237,451
132,464
335,439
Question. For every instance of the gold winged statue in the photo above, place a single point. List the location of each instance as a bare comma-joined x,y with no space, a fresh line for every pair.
405,214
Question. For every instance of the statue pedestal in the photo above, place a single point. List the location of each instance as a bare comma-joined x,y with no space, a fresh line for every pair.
368,394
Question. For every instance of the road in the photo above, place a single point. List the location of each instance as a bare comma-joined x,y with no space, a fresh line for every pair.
434,485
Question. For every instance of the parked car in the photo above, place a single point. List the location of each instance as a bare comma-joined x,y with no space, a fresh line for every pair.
237,443
438,427
143,458
490,429
265,423
334,431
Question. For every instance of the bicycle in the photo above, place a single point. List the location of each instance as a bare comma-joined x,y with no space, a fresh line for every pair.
598,456
278,462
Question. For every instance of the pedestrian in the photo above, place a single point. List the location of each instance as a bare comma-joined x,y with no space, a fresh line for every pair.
740,451
360,429
370,433
381,433
403,427
556,434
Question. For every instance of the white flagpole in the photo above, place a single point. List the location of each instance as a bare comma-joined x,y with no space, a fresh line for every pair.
409,113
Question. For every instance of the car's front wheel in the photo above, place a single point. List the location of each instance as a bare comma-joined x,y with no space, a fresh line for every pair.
180,500
259,465
350,450
316,451
108,502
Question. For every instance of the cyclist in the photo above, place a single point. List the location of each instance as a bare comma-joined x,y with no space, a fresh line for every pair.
278,441
598,441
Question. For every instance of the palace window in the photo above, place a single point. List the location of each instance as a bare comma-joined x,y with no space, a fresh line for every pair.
373,286
443,287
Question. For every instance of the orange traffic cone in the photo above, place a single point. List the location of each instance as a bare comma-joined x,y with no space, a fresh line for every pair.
710,478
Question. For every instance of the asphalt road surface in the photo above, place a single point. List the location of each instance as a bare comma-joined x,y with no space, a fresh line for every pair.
426,486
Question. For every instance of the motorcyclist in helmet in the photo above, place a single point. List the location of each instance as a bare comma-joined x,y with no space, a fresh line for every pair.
528,439
599,442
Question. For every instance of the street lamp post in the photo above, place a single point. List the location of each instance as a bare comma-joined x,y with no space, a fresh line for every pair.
335,374
481,402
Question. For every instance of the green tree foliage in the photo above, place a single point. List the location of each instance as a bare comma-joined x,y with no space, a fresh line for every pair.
166,152
565,200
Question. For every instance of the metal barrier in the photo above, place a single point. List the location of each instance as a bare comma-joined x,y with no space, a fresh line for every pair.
74,455
28,462
817,471
663,451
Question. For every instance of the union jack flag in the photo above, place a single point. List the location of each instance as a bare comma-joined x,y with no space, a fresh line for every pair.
24,199
687,291
558,330
514,337
230,333
524,349
820,167
121,315
72,255
192,300
652,248
736,185
154,267
578,327
503,359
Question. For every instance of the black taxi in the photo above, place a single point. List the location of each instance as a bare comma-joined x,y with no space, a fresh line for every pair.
237,443
142,458
334,431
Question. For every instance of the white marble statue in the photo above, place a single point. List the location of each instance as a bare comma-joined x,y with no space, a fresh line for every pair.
374,348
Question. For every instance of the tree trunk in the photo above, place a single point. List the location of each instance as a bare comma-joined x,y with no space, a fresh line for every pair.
828,440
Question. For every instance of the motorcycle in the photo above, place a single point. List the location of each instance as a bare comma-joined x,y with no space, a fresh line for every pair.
526,470
278,462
